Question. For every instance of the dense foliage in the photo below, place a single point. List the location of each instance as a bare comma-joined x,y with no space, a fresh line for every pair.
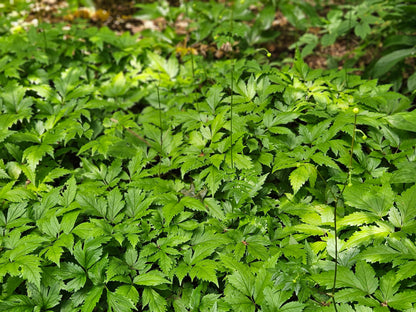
136,175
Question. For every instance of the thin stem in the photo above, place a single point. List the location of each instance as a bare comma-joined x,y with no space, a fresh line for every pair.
160,125
352,147
232,88
231,112
133,133
347,182
336,258
193,78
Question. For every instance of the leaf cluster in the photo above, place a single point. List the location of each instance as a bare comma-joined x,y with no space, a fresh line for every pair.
136,179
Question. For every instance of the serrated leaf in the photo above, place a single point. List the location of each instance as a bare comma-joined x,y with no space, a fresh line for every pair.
406,270
68,221
92,298
256,246
403,300
155,301
115,203
54,254
74,272
300,175
375,199
406,203
205,270
367,234
193,203
136,202
213,178
118,86
35,153
88,254
15,211
17,303
181,270
170,210
165,262
403,120
118,302
30,269
214,209
170,67
324,160
243,281
366,276
214,96
151,278
130,292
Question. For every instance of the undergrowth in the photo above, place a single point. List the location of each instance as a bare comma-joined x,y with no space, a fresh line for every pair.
134,177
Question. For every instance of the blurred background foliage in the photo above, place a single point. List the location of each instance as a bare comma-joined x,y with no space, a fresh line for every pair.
377,38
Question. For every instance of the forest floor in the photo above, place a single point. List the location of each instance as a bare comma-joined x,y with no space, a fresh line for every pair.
120,17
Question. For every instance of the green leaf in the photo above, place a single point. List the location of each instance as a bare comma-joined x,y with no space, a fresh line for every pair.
54,254
367,234
15,211
170,210
137,202
17,303
243,281
385,63
406,203
375,199
213,178
300,175
238,301
89,253
411,82
205,270
214,96
362,30
366,276
406,173
35,153
155,301
47,297
193,203
74,272
388,286
118,86
181,270
30,269
92,298
214,209
256,246
68,221
119,303
169,67
130,292
115,203
406,270
151,278
403,120
403,300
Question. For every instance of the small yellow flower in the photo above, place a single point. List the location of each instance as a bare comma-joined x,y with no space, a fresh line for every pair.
355,110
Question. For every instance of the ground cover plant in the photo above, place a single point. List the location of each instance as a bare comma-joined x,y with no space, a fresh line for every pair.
137,175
